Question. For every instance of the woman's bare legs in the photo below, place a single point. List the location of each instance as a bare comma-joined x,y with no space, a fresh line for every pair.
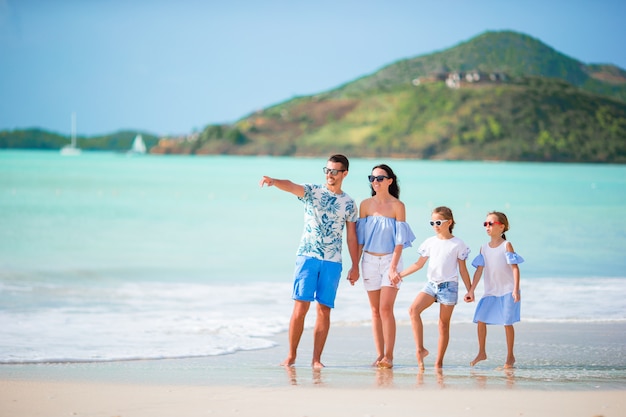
387,300
377,325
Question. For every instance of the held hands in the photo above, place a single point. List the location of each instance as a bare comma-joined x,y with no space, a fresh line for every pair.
469,297
395,278
353,275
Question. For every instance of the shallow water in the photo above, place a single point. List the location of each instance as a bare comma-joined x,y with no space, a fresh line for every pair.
106,257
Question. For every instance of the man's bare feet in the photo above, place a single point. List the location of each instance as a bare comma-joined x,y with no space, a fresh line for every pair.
288,362
421,354
385,363
317,365
480,357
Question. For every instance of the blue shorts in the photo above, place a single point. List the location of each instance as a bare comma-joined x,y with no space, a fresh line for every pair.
446,293
316,280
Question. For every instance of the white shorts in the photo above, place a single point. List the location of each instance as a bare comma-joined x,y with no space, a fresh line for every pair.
375,271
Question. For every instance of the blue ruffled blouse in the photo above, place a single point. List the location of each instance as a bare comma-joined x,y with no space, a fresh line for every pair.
512,258
379,234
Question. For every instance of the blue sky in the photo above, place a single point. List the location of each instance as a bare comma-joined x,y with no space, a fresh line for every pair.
170,67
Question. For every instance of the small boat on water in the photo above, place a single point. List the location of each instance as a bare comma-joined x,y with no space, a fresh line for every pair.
138,147
71,149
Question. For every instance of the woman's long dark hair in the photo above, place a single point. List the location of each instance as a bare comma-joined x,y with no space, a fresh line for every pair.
394,187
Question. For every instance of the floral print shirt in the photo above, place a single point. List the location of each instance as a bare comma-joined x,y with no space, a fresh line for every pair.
325,215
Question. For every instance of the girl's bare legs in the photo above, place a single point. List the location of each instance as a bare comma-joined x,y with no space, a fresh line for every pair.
482,340
445,314
387,300
510,340
377,325
421,303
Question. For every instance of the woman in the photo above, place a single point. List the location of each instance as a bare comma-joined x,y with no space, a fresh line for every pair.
382,233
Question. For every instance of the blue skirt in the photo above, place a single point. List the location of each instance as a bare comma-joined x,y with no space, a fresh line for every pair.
497,310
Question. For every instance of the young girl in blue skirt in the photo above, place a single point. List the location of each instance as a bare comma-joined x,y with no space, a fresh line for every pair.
500,303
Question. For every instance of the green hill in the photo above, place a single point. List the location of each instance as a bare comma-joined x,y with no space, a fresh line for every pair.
529,103
501,95
514,54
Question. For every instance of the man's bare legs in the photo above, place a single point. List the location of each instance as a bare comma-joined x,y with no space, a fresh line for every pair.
322,326
377,326
510,340
387,300
445,314
296,327
482,340
421,303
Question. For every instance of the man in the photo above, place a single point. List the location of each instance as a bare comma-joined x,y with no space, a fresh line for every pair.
327,209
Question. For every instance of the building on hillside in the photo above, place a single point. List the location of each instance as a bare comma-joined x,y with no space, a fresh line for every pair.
458,79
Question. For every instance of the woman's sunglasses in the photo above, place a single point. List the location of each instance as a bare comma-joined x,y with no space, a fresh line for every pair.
378,178
485,224
438,222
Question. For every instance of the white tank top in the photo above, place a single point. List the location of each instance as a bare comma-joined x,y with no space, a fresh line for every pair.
498,277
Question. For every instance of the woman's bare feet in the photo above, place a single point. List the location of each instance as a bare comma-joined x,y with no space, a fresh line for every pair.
385,363
377,361
421,354
317,365
480,357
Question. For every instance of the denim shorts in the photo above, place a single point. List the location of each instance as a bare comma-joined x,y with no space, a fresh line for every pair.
316,280
446,293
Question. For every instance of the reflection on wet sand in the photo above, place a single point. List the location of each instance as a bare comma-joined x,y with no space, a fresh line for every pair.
438,376
483,379
384,377
292,375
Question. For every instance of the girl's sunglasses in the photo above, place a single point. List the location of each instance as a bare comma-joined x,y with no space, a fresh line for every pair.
485,224
378,178
438,222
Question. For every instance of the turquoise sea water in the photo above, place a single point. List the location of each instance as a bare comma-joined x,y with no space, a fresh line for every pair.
108,257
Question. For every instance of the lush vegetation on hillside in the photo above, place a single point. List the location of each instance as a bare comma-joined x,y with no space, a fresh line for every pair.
514,54
533,119
535,104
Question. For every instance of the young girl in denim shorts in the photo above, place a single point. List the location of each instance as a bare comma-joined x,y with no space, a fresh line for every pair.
446,255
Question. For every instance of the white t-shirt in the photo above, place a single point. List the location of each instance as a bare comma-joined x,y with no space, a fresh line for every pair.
443,256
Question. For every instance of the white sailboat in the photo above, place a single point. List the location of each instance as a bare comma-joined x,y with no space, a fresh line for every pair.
138,147
71,149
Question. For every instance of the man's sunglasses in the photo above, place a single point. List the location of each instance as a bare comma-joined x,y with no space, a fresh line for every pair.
378,178
438,222
485,224
333,172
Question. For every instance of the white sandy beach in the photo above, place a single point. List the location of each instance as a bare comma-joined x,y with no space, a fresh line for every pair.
45,399
553,377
